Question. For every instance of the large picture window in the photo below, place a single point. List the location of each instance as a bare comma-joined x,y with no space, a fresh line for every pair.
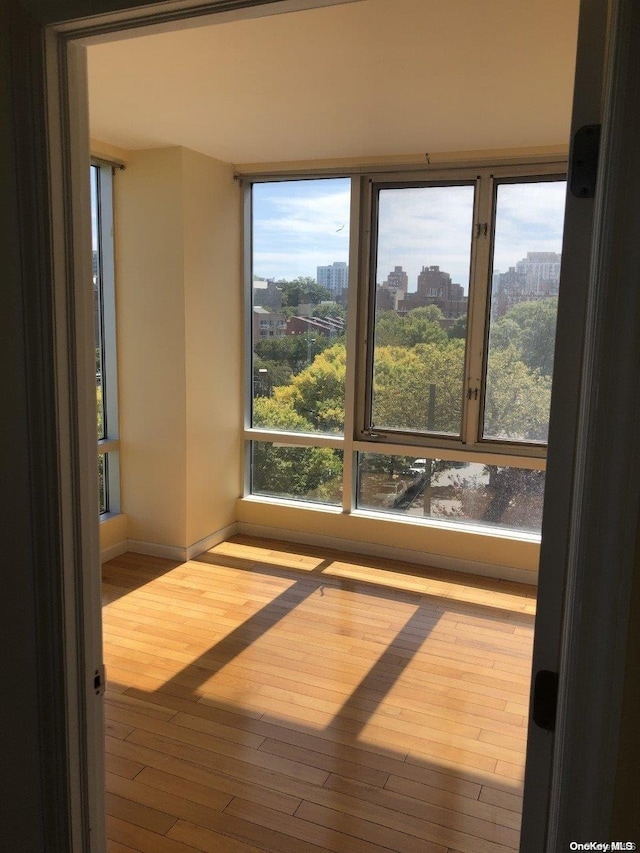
105,338
401,357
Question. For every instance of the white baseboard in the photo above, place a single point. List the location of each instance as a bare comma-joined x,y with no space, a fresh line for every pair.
212,540
371,549
154,549
169,552
114,551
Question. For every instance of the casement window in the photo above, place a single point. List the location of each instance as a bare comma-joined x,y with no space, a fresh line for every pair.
105,337
422,388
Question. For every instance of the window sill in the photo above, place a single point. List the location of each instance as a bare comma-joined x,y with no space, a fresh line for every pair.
453,526
476,549
109,516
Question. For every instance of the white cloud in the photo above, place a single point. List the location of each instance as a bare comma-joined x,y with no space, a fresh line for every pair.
530,218
299,225
425,226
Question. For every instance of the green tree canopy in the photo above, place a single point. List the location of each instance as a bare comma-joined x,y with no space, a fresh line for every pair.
312,473
317,392
302,290
458,328
420,326
530,327
517,399
291,350
268,373
402,387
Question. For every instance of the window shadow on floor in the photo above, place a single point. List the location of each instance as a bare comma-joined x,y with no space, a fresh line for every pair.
340,761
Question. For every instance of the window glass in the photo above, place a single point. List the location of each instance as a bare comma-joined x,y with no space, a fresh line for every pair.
299,473
103,482
422,268
103,285
467,492
300,253
98,322
523,308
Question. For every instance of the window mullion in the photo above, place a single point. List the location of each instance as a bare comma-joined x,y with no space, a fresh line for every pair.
367,236
478,304
349,471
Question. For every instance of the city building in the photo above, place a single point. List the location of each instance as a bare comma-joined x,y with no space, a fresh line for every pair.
535,277
392,290
335,277
268,324
327,326
267,294
436,288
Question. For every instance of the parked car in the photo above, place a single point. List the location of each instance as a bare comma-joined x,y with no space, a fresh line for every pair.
391,493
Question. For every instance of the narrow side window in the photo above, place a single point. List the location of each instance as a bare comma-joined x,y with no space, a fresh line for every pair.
105,337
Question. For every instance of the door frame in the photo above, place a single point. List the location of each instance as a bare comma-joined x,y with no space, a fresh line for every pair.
589,411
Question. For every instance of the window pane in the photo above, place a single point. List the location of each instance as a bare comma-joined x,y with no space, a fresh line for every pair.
300,269
423,261
468,492
524,304
97,303
298,473
103,479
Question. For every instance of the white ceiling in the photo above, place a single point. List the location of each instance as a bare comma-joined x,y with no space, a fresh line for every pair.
372,78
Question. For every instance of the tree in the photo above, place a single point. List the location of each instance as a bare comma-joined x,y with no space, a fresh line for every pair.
402,387
317,392
416,388
458,328
291,350
302,290
330,309
508,486
517,399
420,326
268,374
290,471
530,327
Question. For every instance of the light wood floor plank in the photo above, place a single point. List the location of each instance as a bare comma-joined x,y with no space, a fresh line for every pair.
271,698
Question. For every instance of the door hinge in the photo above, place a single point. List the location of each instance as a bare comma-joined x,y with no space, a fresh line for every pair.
99,680
583,169
545,699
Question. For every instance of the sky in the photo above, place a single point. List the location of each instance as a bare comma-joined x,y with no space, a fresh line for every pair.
299,225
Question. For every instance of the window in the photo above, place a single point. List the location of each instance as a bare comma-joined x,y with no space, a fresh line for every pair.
415,376
105,337
417,383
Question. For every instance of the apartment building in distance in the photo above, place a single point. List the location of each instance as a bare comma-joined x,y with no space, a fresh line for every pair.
335,277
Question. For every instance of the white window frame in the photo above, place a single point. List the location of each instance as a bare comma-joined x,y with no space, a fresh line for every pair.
109,445
486,180
356,437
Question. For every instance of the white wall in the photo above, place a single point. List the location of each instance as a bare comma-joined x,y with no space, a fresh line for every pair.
213,351
151,345
177,217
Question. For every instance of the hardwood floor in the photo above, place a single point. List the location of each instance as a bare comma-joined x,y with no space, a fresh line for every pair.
273,697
